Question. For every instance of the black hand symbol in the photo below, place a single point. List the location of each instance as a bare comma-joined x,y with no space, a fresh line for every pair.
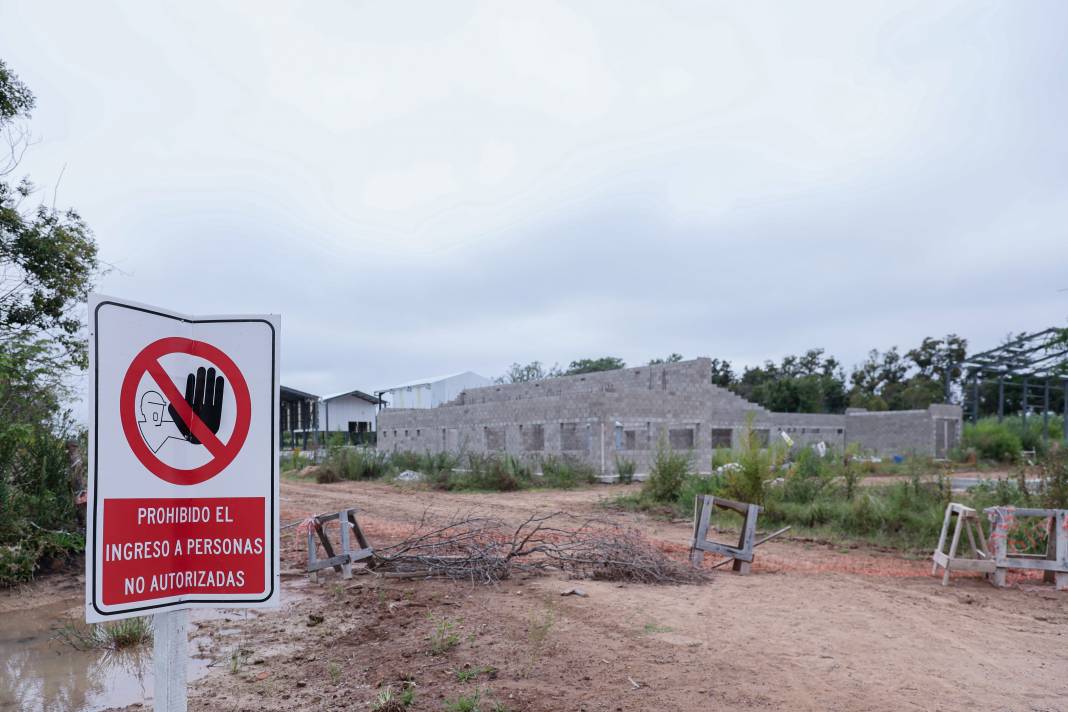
204,394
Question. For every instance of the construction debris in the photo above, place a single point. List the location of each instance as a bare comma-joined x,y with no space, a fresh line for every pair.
484,550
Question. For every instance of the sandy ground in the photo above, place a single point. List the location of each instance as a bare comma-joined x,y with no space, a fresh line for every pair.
815,627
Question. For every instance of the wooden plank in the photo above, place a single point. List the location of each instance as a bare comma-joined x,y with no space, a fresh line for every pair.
333,562
343,524
360,538
312,555
740,507
1015,562
749,533
327,546
771,536
942,537
952,550
714,547
697,556
970,565
1025,511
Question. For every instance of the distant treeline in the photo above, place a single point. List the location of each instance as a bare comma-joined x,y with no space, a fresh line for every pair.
815,382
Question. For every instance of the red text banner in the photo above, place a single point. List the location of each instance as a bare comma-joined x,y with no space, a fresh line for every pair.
156,548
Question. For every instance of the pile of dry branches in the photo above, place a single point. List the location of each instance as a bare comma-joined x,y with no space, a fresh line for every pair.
485,550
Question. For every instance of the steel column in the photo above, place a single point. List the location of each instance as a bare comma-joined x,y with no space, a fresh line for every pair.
1001,398
1045,411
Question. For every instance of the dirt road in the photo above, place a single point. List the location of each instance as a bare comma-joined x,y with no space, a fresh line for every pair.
814,628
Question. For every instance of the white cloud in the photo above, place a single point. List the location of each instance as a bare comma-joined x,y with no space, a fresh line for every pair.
434,187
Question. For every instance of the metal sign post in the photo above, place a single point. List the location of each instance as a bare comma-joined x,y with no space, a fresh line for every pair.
170,660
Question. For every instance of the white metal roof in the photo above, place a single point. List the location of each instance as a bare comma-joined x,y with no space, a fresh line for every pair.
426,381
351,392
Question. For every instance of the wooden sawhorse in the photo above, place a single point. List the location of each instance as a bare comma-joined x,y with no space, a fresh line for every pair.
1053,563
968,522
342,562
743,553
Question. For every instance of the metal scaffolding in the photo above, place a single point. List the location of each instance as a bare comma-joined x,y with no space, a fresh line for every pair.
1036,364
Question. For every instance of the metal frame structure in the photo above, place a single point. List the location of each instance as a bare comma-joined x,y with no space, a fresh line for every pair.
1035,363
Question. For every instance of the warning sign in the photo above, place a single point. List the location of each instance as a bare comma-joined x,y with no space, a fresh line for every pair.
196,415
183,474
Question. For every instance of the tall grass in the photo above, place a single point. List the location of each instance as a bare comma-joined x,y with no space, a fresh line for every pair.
118,635
566,472
349,463
823,496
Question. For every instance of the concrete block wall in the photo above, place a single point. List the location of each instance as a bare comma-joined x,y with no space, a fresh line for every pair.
647,402
932,432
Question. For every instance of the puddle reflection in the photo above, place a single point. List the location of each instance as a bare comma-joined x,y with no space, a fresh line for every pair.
39,673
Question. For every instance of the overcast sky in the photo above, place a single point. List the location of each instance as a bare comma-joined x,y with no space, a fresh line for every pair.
427,188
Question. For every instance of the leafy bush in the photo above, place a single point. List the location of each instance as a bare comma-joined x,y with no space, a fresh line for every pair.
625,469
668,473
566,472
755,464
500,473
992,440
42,467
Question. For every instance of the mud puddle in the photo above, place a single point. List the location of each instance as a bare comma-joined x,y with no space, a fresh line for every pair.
41,673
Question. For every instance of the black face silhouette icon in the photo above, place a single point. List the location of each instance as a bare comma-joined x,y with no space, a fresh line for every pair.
152,407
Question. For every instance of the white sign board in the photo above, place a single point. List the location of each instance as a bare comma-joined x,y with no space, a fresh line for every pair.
183,461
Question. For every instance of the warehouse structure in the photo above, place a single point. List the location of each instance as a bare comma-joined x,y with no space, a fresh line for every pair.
430,392
597,417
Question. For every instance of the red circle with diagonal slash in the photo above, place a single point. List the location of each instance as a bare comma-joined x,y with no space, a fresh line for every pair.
222,453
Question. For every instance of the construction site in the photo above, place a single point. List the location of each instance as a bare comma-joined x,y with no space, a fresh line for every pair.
598,417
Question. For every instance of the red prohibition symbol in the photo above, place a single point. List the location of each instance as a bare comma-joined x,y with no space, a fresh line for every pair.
147,361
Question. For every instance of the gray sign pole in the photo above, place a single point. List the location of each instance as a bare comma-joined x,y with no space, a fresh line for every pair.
170,657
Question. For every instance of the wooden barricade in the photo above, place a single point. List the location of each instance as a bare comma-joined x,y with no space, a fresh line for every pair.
968,523
743,553
343,561
1054,562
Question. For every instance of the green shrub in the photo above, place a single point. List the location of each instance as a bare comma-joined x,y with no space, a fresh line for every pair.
625,469
722,456
755,464
694,485
992,440
350,463
499,473
566,472
668,473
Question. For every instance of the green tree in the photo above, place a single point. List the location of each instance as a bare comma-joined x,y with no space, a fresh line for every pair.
672,358
48,256
592,365
890,381
533,371
810,383
722,375
48,263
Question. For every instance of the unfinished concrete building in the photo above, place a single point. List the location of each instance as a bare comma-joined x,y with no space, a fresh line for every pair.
598,417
